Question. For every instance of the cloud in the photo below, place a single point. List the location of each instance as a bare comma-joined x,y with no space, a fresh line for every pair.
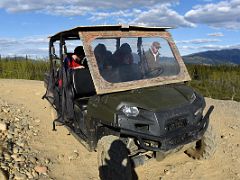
224,14
217,34
139,12
35,39
162,15
7,42
68,10
33,46
210,47
122,14
198,41
158,15
33,52
187,49
75,6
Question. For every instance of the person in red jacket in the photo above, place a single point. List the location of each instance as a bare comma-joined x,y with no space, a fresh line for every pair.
75,60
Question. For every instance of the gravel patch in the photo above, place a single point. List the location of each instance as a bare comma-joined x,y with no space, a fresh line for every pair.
18,160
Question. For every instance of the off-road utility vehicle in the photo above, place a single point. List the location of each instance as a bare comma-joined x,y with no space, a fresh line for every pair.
127,104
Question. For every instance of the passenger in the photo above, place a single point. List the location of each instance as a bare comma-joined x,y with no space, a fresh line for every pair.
123,56
75,61
124,62
103,57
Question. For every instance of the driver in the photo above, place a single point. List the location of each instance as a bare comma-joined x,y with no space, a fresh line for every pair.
152,57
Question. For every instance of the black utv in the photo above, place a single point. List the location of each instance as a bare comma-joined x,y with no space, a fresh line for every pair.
130,102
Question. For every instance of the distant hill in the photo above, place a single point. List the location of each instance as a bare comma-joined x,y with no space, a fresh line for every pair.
226,56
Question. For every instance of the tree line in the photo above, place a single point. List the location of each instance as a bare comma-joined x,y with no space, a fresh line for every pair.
220,82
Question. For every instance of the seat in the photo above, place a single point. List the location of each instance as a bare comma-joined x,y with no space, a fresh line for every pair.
82,83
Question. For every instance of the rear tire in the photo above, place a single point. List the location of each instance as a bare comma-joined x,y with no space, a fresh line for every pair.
113,160
205,147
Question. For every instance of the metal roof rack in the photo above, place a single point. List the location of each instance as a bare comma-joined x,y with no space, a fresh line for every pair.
73,33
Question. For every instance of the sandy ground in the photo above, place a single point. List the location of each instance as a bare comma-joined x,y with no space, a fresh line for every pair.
60,145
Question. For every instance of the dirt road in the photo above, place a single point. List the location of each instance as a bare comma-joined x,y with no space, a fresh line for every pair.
71,161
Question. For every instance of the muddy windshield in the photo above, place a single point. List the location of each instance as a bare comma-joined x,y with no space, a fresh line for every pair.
130,59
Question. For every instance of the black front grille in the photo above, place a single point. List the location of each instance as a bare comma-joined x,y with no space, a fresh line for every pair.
178,140
176,124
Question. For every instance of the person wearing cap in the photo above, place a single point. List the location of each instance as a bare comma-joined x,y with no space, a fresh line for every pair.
152,57
76,59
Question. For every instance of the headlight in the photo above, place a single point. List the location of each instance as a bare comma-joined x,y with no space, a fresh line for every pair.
130,110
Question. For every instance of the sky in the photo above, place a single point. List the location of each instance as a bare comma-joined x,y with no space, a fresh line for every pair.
199,25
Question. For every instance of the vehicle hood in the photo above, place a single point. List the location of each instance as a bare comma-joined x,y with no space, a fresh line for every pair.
153,99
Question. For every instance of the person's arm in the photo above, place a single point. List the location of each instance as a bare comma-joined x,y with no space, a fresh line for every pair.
79,67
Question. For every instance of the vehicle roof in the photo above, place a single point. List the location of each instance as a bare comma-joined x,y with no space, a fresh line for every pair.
73,33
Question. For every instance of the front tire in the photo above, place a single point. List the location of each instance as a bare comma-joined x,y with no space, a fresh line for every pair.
205,147
113,160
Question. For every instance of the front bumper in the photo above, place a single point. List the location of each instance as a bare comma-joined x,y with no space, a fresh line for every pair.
172,139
